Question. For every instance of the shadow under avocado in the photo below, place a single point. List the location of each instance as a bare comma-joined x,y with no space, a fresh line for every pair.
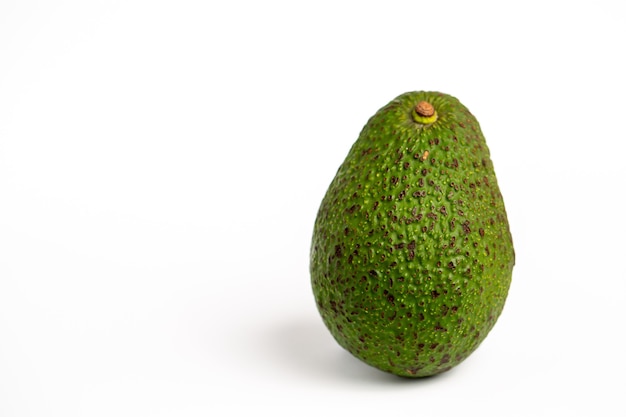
305,346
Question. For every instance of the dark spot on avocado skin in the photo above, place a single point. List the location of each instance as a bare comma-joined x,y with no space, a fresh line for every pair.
414,243
438,327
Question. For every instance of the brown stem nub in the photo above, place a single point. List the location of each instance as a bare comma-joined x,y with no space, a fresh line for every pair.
424,109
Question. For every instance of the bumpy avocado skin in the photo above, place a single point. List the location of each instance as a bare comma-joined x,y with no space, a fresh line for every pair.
411,256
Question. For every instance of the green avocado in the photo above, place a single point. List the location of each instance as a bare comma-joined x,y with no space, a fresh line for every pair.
411,258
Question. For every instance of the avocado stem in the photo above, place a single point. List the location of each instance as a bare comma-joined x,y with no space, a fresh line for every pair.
424,109
424,113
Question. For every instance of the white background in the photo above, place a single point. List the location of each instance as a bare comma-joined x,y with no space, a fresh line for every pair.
162,162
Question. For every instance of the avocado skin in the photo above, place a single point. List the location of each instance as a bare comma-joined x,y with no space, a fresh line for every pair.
411,257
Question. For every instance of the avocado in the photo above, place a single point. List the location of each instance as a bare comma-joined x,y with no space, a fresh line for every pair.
412,257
